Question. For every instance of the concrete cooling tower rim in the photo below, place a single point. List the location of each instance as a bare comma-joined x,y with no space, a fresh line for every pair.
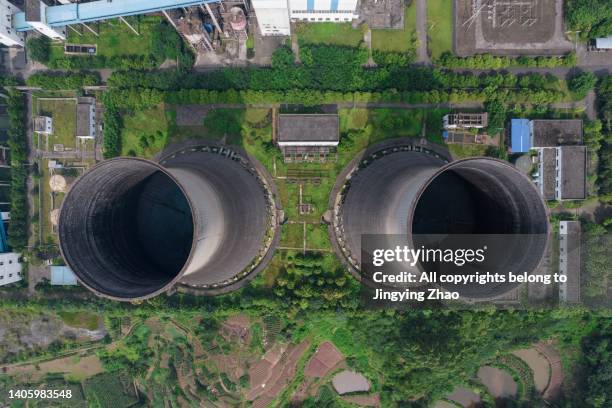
341,238
335,227
259,172
82,179
109,173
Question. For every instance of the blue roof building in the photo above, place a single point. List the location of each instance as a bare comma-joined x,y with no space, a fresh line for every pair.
520,135
62,276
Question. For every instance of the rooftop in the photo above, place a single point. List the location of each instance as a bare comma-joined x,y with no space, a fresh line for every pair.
556,132
569,260
466,120
83,119
604,43
308,128
519,131
548,173
573,172
62,275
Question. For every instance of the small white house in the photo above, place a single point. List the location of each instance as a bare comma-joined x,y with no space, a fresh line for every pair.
10,268
43,125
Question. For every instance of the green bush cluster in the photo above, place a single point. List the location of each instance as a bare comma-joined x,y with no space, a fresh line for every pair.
102,61
488,61
604,97
63,80
593,18
582,83
113,124
17,140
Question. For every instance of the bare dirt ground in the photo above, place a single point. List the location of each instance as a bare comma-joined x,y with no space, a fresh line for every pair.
538,364
464,397
500,28
499,383
79,367
556,372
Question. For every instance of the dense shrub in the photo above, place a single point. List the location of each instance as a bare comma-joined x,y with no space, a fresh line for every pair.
593,18
62,80
582,83
39,49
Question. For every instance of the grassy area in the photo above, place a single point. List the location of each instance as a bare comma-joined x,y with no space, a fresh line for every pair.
145,133
115,37
328,33
440,26
82,320
398,40
63,112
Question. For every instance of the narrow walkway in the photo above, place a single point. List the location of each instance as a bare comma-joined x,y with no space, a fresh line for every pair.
421,22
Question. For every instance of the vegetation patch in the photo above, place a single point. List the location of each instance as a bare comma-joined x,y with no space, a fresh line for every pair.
83,320
440,27
328,33
403,40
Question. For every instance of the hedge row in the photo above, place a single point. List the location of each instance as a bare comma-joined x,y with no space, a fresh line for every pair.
17,140
488,61
137,99
63,80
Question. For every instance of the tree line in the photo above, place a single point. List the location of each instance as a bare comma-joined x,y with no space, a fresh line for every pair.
17,141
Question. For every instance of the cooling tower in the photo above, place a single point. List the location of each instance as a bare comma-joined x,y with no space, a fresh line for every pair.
414,191
202,218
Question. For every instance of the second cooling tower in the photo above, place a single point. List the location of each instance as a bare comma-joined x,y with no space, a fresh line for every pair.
203,218
413,190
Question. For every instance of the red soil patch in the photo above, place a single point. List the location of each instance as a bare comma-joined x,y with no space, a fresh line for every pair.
323,360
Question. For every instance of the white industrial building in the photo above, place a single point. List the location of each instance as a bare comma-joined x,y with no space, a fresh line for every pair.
274,16
10,268
8,35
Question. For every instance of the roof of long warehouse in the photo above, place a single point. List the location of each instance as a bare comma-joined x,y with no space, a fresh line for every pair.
76,13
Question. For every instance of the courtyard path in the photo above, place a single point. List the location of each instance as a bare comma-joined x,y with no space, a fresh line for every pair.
421,22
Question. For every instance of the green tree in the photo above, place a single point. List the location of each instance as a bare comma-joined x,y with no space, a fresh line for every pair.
39,49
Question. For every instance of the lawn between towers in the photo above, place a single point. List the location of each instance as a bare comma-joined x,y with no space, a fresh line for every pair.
146,132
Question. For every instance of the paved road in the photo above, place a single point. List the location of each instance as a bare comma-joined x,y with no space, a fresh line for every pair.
421,20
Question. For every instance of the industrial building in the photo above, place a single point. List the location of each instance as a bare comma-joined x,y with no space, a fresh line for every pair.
411,190
561,172
465,120
10,268
43,125
561,156
274,16
202,219
309,137
86,118
569,261
62,276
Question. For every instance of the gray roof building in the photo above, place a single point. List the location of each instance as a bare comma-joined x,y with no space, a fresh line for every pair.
555,132
548,173
569,261
572,169
85,120
562,172
308,130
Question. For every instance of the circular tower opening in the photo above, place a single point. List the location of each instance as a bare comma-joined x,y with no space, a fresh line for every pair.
126,229
481,203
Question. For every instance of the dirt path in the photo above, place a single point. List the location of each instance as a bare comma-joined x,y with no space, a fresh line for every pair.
421,28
